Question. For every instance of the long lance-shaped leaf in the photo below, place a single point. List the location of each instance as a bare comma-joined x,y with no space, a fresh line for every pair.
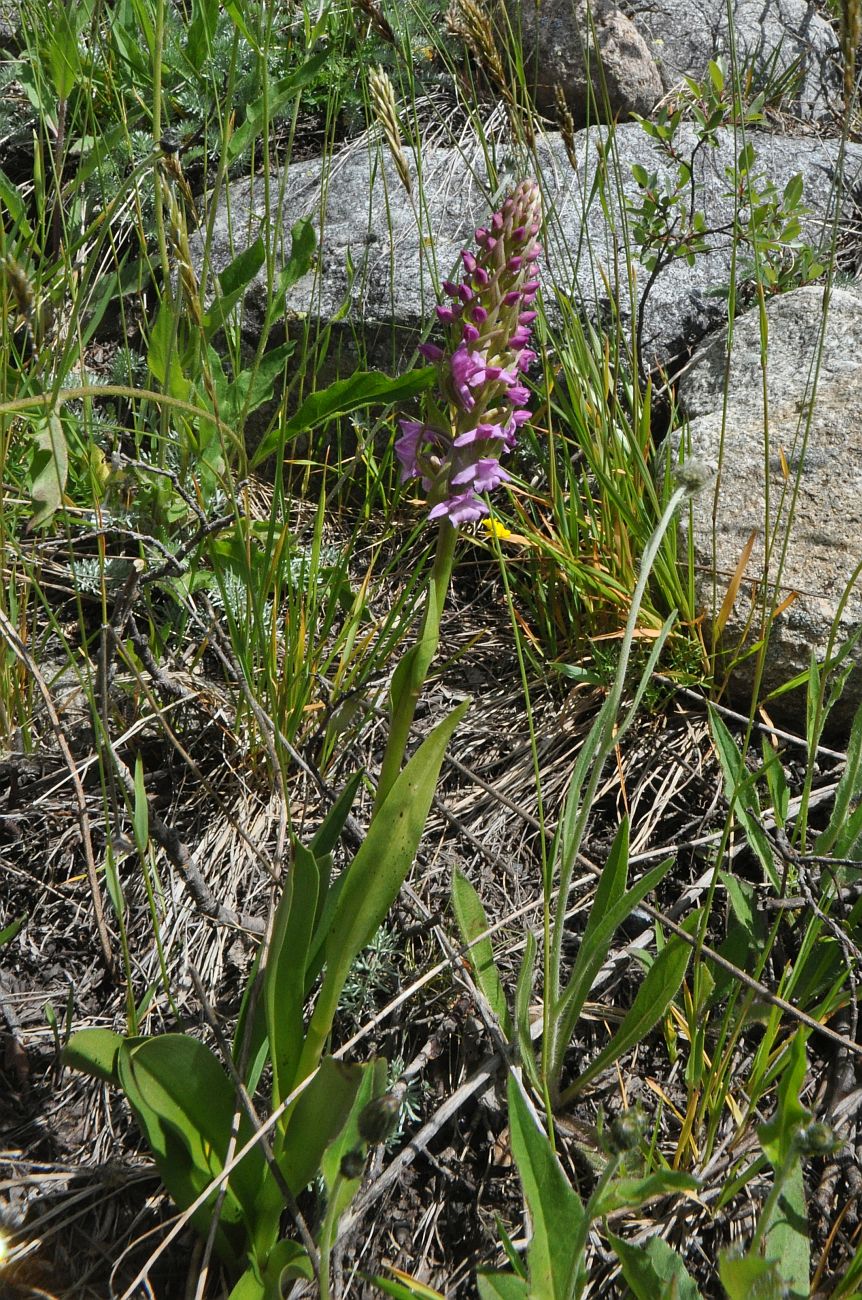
661,984
555,1256
375,877
565,1013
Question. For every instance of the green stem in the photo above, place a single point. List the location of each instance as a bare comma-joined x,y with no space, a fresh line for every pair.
327,1232
410,674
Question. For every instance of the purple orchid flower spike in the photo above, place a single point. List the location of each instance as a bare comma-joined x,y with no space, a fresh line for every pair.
488,317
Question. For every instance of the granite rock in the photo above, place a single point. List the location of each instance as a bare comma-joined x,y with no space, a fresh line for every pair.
804,457
771,36
564,43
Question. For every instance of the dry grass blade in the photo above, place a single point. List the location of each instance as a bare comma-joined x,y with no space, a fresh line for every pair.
733,587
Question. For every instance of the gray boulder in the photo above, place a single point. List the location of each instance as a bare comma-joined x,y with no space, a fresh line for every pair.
805,458
770,36
564,43
374,271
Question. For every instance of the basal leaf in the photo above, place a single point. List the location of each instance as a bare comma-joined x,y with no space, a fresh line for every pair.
184,1104
94,1052
50,469
284,977
376,875
473,922
654,1271
555,1253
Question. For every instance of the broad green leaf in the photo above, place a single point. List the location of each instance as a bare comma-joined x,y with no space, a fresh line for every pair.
302,248
317,1117
286,1262
373,1085
660,985
50,469
163,357
7,934
94,1052
746,1276
184,1104
285,975
201,32
376,875
630,1193
555,1253
250,1286
786,1236
344,1189
654,1271
472,922
327,834
502,1286
64,60
233,282
363,388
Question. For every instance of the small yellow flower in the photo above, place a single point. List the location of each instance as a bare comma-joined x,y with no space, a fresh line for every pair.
496,529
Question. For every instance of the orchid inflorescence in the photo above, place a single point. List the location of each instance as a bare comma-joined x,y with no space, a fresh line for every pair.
456,453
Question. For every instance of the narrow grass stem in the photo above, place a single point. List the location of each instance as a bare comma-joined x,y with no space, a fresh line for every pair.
602,741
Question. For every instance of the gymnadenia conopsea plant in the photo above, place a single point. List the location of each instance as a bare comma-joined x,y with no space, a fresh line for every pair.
199,1108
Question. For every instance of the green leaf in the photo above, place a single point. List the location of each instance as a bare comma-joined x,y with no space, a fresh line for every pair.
260,114
50,469
401,1292
344,1189
233,282
286,1262
8,933
94,1052
844,827
523,995
473,922
502,1286
777,1137
654,1271
741,795
64,60
141,813
303,242
746,1277
376,875
285,975
201,32
555,1253
363,388
327,834
630,1193
184,1104
786,1235
660,985
317,1117
163,356
590,957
